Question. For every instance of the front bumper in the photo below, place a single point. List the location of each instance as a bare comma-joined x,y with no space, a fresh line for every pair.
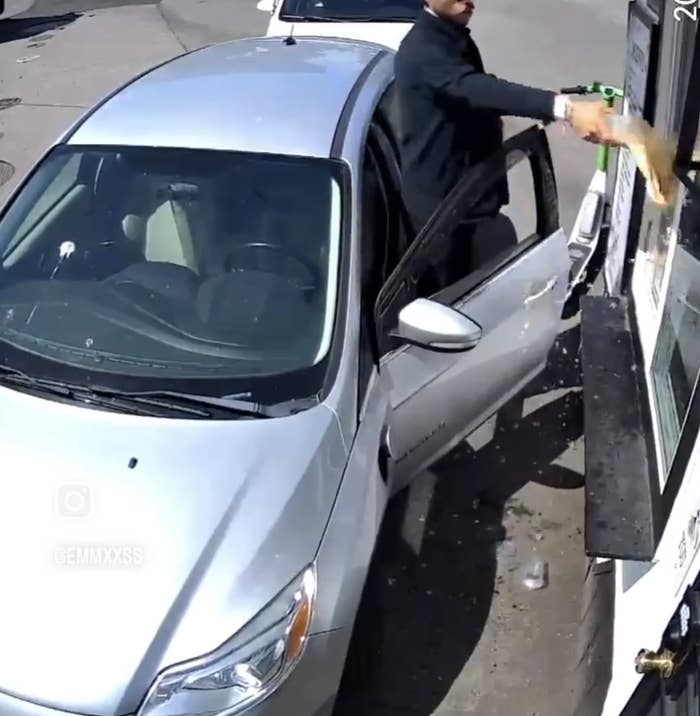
309,691
311,688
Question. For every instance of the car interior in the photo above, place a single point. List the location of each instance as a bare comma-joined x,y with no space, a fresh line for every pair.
223,251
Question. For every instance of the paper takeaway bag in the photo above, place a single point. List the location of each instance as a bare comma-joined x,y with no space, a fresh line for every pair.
653,153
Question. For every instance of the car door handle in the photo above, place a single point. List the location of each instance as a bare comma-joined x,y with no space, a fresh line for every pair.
549,286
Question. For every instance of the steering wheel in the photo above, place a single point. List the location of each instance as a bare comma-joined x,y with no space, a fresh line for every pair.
310,283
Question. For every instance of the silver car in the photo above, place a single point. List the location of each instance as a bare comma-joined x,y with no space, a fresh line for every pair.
221,357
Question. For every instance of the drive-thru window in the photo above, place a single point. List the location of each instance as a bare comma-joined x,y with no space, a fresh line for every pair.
641,364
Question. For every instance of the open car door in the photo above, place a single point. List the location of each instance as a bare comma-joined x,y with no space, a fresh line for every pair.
516,297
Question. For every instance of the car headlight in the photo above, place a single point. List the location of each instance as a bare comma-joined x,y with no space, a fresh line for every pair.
247,668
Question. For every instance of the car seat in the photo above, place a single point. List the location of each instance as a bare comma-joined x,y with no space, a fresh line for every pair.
134,228
165,236
168,236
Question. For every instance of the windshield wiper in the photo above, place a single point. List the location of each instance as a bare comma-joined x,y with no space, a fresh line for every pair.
163,400
312,18
17,377
346,18
175,400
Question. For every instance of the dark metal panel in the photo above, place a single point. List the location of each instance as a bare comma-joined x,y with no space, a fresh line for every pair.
691,113
619,506
649,112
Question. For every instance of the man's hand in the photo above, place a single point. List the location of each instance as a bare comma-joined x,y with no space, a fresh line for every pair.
590,121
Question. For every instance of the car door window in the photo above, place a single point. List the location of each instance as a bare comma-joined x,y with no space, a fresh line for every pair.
385,231
521,209
400,228
530,216
375,237
514,293
384,131
375,224
387,115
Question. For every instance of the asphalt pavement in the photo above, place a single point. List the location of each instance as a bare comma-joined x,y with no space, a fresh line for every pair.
457,548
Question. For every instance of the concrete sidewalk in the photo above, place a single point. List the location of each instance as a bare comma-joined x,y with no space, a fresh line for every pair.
58,70
16,7
55,68
207,21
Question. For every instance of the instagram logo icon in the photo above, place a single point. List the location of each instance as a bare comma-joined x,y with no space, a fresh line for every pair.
74,500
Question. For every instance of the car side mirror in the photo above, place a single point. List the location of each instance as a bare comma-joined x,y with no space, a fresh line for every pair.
437,327
266,5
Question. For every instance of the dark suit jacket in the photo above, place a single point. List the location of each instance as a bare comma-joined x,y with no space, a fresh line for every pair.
449,113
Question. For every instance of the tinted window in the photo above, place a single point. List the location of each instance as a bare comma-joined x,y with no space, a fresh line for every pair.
375,237
173,264
676,363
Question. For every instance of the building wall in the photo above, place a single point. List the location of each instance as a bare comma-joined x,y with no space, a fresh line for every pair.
647,594
666,294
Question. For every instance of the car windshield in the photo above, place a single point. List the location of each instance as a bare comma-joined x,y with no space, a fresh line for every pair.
153,265
379,10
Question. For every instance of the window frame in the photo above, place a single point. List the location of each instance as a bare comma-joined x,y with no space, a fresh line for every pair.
664,493
690,121
530,145
312,381
380,133
368,355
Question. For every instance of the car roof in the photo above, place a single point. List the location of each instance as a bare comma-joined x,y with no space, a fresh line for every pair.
253,94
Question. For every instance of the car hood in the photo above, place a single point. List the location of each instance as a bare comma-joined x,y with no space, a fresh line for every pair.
388,34
131,543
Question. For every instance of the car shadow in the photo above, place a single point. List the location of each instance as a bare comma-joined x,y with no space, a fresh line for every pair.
437,555
25,28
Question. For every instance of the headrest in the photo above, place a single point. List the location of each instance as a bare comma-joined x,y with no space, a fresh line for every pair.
134,228
178,191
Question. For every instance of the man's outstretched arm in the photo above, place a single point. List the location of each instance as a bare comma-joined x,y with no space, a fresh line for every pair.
462,83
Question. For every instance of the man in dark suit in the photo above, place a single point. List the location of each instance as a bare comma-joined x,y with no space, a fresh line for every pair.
450,109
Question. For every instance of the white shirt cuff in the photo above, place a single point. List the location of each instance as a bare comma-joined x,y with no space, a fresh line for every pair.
561,104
